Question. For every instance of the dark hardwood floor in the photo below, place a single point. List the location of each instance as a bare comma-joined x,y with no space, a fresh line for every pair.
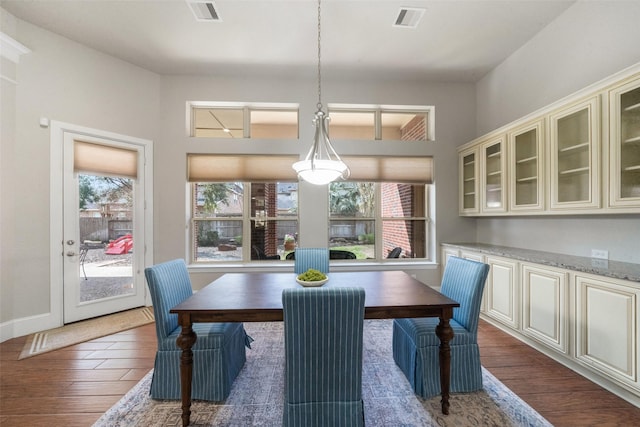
74,386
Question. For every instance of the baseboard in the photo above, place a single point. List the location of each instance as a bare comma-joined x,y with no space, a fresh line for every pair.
604,382
28,325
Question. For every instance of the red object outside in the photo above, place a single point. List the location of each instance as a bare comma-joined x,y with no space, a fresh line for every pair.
122,245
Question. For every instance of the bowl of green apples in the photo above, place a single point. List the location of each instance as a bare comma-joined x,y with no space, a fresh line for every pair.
312,278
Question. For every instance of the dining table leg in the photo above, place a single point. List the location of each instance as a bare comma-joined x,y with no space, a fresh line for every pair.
445,333
185,341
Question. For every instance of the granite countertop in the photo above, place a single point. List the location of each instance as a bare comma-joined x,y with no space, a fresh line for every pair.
608,268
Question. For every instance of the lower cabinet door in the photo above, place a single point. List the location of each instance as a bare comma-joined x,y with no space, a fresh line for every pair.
502,296
607,327
544,306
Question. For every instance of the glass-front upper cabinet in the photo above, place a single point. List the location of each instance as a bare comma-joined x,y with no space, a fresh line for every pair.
468,181
575,147
526,166
624,144
494,162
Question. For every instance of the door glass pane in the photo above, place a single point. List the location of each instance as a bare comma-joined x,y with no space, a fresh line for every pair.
404,126
218,122
274,124
493,177
404,239
274,220
106,236
573,157
469,184
352,125
526,168
630,144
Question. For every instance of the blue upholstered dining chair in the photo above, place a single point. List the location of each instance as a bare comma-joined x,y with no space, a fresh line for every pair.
316,258
416,346
218,354
323,348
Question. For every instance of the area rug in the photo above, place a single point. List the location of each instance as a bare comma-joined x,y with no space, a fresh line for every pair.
85,330
257,395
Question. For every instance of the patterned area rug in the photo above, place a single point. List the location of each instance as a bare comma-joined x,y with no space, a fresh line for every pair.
256,397
85,330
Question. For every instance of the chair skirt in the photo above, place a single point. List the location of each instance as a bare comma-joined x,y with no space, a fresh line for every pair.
214,369
421,365
322,414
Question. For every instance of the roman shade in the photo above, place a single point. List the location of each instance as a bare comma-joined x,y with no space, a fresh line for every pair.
104,159
268,168
229,168
407,170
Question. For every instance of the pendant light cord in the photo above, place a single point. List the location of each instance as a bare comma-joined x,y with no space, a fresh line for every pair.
319,73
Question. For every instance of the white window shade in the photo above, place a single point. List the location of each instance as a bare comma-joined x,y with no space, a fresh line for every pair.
104,159
408,170
229,168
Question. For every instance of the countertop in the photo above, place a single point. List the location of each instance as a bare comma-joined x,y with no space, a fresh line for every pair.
608,268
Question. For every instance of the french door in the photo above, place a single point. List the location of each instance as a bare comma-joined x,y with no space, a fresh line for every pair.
105,227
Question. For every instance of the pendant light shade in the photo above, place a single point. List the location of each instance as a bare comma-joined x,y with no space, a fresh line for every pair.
322,164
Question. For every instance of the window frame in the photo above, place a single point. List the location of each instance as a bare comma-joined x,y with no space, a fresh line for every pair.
247,219
246,108
379,110
379,220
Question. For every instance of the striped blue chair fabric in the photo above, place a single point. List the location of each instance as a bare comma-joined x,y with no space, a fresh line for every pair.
323,348
306,258
218,354
415,344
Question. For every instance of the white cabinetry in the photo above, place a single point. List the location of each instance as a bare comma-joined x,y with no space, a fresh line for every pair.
545,305
468,182
493,184
574,155
580,155
588,322
502,291
607,327
526,160
624,144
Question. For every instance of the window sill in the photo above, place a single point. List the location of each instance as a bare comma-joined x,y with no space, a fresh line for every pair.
272,266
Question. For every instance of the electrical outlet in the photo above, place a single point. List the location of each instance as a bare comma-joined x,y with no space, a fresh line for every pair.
599,253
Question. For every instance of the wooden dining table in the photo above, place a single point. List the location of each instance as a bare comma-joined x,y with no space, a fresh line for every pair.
257,297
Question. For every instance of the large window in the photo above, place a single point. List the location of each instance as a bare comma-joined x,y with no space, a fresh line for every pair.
238,222
243,208
378,220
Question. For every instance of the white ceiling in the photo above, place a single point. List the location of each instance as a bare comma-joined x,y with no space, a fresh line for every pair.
455,41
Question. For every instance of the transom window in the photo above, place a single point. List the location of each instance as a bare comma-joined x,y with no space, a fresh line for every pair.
237,120
385,123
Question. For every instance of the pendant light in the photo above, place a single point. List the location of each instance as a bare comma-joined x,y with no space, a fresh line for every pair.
322,164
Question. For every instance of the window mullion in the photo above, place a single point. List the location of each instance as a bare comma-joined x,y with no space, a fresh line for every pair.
246,223
378,220
246,122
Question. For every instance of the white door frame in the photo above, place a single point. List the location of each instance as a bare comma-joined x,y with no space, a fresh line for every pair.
58,131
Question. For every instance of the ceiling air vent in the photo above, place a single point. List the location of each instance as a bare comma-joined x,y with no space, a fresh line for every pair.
204,10
408,17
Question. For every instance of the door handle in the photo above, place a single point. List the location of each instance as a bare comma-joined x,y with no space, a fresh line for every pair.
71,253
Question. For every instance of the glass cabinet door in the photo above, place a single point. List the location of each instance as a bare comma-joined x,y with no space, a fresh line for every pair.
493,176
468,181
526,182
575,146
624,142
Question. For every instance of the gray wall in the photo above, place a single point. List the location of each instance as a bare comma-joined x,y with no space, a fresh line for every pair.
588,42
64,81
